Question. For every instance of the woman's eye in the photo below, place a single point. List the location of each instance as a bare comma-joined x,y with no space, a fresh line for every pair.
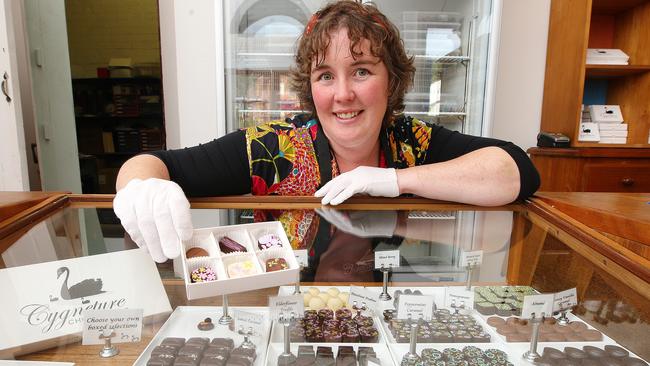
325,76
362,72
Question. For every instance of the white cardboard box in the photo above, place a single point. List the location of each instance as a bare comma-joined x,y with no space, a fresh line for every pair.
612,126
613,140
613,133
246,235
606,113
607,56
589,132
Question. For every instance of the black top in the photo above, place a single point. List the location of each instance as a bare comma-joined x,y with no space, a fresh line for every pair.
222,166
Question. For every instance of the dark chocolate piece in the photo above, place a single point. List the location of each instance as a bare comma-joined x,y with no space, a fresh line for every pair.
228,245
616,351
276,264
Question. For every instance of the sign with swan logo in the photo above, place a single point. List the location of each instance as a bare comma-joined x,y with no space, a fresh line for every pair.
46,301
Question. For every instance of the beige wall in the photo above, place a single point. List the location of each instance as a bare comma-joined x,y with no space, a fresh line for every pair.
101,29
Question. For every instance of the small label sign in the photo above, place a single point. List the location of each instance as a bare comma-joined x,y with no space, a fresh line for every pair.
286,306
415,307
363,297
247,321
473,259
537,305
565,300
302,257
459,297
126,324
386,259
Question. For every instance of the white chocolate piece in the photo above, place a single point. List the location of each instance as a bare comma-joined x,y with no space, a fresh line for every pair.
333,291
316,303
325,296
313,291
345,297
334,303
306,297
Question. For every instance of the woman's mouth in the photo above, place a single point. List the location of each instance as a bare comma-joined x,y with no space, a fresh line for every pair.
347,115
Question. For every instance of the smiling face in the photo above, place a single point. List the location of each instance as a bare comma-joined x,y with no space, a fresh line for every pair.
350,93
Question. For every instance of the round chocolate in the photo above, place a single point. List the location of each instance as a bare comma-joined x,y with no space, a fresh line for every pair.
632,361
575,353
552,354
506,329
495,321
592,335
578,326
594,352
616,351
196,252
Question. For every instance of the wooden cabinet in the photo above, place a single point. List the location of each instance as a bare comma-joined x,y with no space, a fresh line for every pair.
593,169
575,26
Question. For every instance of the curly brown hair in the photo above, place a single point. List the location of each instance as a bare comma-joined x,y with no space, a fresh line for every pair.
363,21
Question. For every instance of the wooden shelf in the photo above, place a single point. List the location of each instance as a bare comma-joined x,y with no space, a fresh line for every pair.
614,6
607,71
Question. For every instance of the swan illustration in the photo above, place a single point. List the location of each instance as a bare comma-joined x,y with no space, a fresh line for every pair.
87,287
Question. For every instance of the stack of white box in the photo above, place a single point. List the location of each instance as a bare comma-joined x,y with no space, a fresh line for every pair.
612,128
606,56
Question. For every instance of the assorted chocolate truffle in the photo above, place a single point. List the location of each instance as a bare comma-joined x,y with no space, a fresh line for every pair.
468,355
275,264
242,269
590,355
227,245
269,241
196,252
519,330
203,274
444,327
501,300
200,351
326,325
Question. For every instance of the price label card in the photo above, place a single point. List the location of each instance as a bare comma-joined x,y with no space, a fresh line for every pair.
537,305
126,324
248,321
302,257
415,307
286,306
459,297
474,258
363,297
386,259
565,300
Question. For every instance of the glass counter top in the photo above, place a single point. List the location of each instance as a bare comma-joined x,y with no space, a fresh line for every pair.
524,244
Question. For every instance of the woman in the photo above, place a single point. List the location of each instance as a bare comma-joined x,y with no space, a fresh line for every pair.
352,72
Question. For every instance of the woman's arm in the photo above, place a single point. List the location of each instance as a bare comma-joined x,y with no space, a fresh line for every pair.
487,177
141,167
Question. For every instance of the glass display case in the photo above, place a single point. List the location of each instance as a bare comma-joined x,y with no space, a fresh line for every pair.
544,246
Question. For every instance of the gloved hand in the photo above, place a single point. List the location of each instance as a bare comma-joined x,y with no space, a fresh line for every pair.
156,214
364,179
363,224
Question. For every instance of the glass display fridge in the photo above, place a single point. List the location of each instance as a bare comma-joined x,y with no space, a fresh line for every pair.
449,40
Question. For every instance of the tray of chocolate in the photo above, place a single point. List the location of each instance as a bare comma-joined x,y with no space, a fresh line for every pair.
556,354
237,258
501,300
327,326
455,355
321,297
444,327
331,354
193,336
514,329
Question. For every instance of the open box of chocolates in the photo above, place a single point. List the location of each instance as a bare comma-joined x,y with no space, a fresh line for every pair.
236,258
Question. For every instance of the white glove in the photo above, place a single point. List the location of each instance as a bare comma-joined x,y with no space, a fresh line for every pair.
156,215
364,179
363,224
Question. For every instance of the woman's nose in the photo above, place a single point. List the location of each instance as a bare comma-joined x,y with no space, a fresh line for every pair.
344,90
